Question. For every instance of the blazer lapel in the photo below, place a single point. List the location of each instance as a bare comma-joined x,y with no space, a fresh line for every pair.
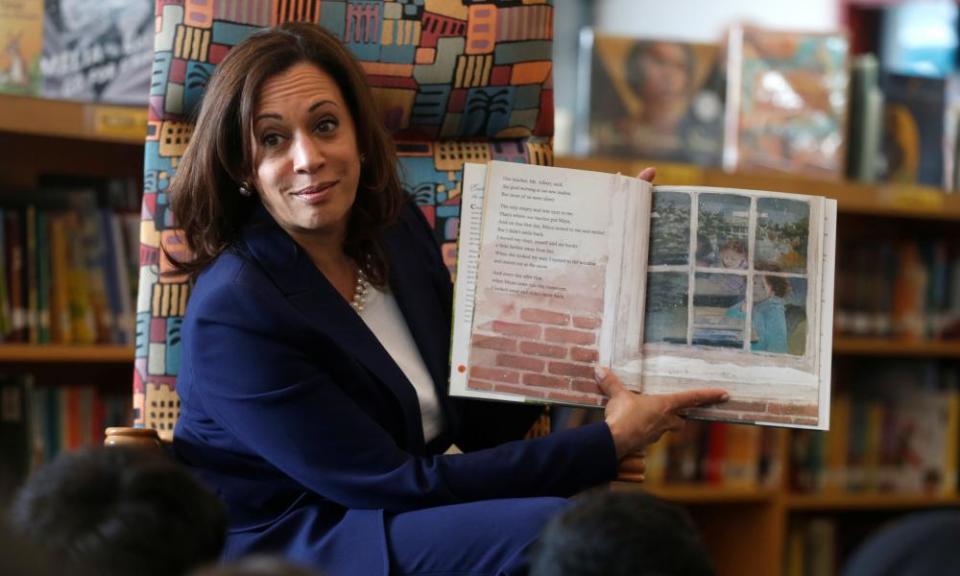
308,290
416,296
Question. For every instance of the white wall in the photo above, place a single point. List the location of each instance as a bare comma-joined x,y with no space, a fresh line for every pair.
705,20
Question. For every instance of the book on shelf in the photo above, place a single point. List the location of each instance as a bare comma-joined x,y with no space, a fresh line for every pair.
895,433
865,120
906,288
21,35
915,119
673,288
786,101
812,547
652,98
38,422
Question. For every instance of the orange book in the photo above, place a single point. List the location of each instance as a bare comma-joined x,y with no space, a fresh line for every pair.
741,463
909,293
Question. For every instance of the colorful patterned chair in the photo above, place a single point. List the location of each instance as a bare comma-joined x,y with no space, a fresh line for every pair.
456,80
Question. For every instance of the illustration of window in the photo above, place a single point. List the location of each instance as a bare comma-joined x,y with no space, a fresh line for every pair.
728,271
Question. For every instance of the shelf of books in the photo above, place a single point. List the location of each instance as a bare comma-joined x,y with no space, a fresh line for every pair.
69,260
73,119
43,416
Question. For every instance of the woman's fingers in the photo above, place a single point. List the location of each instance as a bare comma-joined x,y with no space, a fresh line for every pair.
694,398
609,384
648,174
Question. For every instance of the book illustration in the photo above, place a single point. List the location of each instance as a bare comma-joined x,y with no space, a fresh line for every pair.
722,272
21,43
672,287
743,288
914,122
98,51
655,99
786,102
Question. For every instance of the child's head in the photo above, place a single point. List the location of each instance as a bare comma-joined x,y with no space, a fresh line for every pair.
120,511
733,254
777,286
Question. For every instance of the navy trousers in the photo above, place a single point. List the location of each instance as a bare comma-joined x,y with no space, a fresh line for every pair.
486,538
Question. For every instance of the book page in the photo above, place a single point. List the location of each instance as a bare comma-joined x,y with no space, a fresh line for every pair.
551,246
739,296
465,283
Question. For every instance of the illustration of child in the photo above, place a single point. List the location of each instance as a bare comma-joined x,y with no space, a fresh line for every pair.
733,254
769,316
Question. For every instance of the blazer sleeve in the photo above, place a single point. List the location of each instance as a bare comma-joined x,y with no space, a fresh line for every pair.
258,382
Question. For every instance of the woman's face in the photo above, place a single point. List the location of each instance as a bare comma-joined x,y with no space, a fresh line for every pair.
307,166
664,70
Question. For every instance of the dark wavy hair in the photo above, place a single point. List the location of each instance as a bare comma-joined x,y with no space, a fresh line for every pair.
119,511
204,192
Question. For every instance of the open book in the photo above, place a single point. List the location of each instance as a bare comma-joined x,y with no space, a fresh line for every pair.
672,287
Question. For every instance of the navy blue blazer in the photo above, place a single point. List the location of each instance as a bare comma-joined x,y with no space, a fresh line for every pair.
298,418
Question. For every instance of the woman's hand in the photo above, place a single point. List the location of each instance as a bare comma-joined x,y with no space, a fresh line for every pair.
648,174
638,420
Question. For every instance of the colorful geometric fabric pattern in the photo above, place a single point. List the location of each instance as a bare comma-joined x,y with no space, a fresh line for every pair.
456,80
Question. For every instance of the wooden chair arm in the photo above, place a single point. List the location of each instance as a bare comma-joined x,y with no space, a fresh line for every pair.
136,437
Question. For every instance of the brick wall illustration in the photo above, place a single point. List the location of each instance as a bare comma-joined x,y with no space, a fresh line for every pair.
767,412
540,352
456,81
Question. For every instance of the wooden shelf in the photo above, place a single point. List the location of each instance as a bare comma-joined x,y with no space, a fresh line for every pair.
899,200
896,348
78,120
868,501
700,494
59,353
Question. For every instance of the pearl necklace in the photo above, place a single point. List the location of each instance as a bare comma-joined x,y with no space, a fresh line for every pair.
360,291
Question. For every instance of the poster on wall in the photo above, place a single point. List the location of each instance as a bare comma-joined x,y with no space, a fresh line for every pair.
98,50
21,40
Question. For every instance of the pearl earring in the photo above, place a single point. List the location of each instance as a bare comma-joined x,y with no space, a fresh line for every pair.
244,190
363,158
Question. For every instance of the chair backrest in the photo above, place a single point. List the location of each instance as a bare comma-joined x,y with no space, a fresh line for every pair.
456,80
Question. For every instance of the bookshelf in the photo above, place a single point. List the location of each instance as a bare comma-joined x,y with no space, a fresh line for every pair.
80,387
769,513
39,136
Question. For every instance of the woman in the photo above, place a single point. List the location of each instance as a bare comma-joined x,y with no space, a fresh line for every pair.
315,345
